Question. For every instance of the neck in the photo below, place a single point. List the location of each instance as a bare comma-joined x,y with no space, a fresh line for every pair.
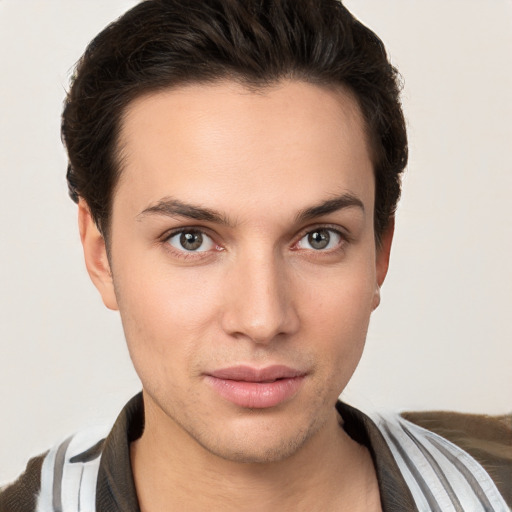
329,472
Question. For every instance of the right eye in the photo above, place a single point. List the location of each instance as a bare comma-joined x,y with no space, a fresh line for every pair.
191,240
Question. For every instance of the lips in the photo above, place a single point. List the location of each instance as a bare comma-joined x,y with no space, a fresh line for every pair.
256,388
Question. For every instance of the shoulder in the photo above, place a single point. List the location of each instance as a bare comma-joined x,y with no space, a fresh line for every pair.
64,478
488,439
21,495
440,474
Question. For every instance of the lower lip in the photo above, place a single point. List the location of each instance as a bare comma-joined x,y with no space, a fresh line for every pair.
256,395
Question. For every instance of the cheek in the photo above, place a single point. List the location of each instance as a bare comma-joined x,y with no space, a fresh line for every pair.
338,318
165,314
341,343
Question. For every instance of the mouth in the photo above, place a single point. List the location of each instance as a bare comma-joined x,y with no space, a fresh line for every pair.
256,388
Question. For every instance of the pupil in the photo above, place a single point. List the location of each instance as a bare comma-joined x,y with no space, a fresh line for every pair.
191,240
319,239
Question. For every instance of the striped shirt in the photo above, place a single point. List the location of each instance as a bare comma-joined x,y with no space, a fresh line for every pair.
417,470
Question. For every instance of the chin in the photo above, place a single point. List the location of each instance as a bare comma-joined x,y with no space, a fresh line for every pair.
262,444
261,453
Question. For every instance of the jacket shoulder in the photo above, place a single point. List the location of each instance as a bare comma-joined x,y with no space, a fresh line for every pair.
64,478
486,438
22,495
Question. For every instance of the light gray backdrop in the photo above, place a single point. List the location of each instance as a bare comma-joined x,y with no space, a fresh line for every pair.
442,337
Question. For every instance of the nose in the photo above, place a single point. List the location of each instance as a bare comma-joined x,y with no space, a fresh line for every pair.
259,303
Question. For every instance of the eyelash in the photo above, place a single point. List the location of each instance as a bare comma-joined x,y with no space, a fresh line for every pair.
185,255
344,239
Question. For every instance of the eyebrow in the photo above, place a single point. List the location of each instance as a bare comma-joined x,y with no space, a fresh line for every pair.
330,206
175,208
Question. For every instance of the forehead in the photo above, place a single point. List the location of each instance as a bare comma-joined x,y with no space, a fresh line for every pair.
225,144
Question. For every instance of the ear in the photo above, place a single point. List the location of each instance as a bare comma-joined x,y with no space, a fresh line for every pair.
382,259
95,254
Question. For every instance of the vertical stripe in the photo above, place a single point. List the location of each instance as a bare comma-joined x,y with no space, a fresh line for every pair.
437,469
69,473
58,471
87,493
45,498
431,500
468,475
80,489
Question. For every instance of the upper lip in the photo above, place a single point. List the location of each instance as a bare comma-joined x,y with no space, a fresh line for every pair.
250,374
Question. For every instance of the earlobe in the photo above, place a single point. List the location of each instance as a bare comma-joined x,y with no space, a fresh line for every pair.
376,297
95,255
382,260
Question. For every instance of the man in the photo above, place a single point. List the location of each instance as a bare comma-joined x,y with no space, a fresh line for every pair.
236,167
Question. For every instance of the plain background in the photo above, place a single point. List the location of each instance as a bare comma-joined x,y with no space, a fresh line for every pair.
442,337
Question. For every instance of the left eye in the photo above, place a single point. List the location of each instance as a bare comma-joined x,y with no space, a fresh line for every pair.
191,240
320,239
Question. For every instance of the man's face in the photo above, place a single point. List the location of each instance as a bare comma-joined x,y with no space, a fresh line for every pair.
243,260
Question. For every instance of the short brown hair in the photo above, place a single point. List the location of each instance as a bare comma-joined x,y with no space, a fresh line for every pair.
164,43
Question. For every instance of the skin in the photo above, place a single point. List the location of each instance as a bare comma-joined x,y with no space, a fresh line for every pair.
256,293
